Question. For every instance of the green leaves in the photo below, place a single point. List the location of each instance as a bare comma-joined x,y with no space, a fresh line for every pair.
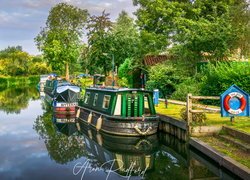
60,39
164,77
197,27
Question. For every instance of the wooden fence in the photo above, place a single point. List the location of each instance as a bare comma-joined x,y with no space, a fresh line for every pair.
204,108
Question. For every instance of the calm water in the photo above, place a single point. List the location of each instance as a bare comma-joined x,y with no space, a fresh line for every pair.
34,144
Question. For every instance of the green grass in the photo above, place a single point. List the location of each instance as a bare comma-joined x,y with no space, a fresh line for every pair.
172,110
228,149
240,123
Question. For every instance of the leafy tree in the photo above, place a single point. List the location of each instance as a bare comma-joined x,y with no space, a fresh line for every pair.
107,40
61,38
99,41
125,73
164,77
14,61
125,38
194,27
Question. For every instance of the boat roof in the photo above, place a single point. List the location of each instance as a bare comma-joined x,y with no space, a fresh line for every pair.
115,89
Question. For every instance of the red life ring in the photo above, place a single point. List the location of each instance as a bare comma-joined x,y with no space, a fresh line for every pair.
242,99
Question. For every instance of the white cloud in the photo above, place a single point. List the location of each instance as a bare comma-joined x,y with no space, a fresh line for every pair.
20,20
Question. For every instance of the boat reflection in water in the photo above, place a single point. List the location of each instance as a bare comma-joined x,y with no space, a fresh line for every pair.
94,154
127,156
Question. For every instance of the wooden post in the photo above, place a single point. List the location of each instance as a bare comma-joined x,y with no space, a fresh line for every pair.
189,113
67,71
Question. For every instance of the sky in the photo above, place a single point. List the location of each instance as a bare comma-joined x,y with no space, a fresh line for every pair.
22,20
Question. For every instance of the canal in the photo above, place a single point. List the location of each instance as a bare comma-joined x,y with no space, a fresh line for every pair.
37,145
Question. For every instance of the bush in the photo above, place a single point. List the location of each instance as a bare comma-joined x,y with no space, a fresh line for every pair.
220,76
125,74
3,81
197,118
164,77
190,85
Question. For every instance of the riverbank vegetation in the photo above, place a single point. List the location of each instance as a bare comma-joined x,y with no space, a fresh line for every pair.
212,119
10,81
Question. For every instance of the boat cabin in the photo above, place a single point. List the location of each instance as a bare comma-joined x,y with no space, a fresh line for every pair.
119,102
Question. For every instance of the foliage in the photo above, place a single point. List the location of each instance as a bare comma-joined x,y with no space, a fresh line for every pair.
220,76
18,81
125,73
100,43
125,38
39,68
197,118
190,85
164,77
60,39
197,28
14,61
110,41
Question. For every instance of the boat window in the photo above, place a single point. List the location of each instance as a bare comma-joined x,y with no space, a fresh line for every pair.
146,101
118,105
86,100
147,110
95,99
106,101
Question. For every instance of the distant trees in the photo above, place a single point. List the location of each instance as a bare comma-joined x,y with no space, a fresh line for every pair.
61,38
15,62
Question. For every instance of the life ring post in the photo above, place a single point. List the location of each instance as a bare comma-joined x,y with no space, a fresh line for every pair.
234,102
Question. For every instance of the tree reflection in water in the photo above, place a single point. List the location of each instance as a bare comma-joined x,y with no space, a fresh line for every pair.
13,100
62,148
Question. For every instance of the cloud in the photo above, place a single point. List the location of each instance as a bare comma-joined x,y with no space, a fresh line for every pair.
20,20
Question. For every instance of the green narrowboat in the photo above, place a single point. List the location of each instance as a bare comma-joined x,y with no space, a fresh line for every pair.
128,112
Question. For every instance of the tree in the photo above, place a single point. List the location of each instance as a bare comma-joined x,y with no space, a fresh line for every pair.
164,77
194,27
14,61
100,43
125,73
125,38
61,38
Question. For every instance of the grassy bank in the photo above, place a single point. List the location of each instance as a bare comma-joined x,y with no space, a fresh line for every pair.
240,123
8,81
228,149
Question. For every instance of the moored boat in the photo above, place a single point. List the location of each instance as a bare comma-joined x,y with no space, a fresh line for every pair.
62,95
42,82
127,112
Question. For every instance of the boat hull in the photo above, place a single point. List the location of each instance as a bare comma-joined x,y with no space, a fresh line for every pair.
116,125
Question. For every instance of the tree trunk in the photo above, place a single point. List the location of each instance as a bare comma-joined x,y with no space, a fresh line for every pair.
67,71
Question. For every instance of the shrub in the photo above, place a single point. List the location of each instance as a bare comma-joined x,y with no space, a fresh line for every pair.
125,73
220,76
197,118
164,77
190,85
3,81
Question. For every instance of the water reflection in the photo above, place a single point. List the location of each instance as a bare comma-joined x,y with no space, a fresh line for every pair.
13,100
61,140
127,156
57,147
93,154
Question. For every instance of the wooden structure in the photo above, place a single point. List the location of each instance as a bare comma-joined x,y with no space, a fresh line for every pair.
204,109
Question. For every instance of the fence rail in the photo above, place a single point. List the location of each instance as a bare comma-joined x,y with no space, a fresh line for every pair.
204,109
